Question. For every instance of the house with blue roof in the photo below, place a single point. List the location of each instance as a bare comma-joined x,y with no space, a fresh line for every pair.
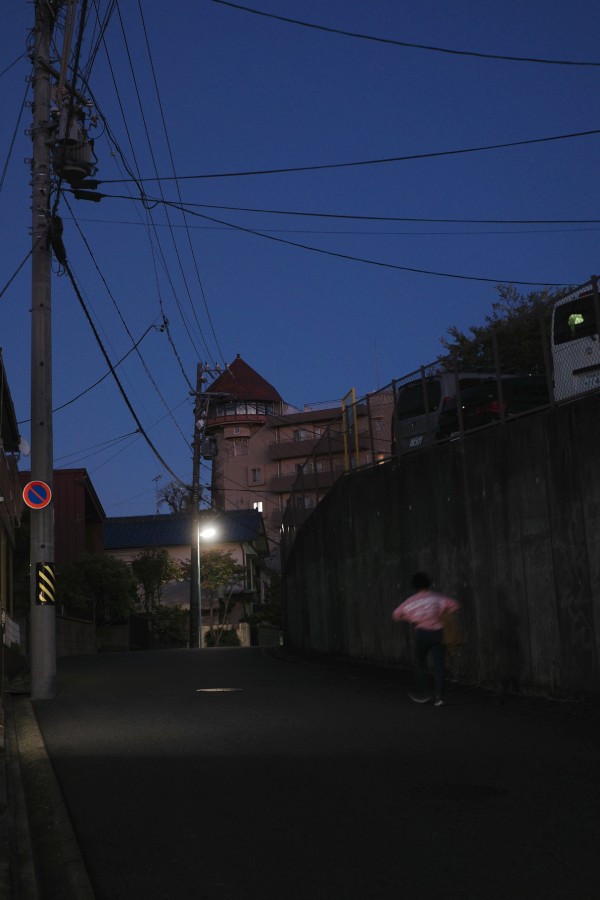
239,532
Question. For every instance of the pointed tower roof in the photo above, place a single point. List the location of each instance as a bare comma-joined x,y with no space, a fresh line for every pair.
242,382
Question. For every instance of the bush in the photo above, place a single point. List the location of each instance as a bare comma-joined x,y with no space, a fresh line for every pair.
227,637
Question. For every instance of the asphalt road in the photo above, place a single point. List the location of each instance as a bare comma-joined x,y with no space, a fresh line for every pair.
231,774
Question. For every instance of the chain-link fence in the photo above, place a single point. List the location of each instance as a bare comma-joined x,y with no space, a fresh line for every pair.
515,371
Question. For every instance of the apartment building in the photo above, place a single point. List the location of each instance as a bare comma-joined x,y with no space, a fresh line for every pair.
269,452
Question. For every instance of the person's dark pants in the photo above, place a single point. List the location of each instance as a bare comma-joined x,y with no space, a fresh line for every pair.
430,642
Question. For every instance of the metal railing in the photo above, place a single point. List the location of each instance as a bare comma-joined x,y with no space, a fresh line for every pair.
485,385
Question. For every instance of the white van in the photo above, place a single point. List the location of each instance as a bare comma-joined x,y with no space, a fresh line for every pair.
575,342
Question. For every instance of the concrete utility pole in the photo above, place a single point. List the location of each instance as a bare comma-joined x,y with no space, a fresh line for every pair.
43,622
207,449
195,611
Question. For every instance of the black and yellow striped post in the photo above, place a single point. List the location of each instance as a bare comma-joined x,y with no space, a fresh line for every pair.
45,584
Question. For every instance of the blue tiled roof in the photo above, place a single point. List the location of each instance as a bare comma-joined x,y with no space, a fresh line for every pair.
234,527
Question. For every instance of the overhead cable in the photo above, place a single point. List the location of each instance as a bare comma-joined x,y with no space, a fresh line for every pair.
126,327
171,157
13,63
407,44
365,162
20,266
116,377
370,262
13,139
174,177
370,218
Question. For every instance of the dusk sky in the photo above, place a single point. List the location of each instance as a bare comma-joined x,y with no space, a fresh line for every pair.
402,249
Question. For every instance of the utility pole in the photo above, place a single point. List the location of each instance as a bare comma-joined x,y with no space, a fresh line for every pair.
195,611
43,621
207,449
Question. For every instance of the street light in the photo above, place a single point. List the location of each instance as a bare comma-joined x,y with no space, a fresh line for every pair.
206,533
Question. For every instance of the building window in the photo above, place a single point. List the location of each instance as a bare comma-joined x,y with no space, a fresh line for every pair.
257,505
256,476
240,446
301,434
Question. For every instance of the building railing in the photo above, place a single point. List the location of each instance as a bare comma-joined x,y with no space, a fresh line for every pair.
486,386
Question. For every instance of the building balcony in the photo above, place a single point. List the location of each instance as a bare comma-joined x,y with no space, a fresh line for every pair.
326,445
310,481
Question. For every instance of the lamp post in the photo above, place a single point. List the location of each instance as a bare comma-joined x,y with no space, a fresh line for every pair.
206,533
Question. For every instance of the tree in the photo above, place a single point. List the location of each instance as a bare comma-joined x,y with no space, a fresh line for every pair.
100,585
153,569
219,575
176,496
515,320
169,626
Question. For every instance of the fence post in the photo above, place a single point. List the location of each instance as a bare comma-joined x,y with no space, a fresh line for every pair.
547,359
316,473
395,448
426,405
461,424
371,438
499,390
594,280
330,449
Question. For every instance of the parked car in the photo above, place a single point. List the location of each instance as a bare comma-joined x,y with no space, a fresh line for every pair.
420,403
480,404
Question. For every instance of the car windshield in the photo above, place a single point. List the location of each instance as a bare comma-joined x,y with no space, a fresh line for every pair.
411,400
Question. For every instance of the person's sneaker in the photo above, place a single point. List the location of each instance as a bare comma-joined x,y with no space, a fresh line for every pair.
420,698
439,702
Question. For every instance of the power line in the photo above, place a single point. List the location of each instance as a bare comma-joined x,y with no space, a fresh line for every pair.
19,267
380,40
191,246
373,262
365,162
151,225
364,233
98,448
129,334
13,63
365,218
153,157
100,380
116,377
13,139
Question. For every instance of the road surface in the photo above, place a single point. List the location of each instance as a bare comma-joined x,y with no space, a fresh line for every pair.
233,774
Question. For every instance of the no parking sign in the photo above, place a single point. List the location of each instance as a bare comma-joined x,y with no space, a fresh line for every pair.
37,494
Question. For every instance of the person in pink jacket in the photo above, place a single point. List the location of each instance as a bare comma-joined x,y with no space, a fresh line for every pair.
424,610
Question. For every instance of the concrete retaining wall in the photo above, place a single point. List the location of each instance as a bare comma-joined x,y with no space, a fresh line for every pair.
507,521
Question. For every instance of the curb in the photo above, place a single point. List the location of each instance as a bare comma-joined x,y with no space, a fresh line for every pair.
48,855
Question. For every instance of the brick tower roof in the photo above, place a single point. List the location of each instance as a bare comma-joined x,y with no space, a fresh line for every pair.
242,382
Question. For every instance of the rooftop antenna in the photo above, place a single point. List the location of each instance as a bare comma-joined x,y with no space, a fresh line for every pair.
377,374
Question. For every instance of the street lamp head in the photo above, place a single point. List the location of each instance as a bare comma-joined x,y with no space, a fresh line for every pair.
207,533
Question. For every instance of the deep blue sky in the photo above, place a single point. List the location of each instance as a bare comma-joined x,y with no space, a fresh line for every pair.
242,92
